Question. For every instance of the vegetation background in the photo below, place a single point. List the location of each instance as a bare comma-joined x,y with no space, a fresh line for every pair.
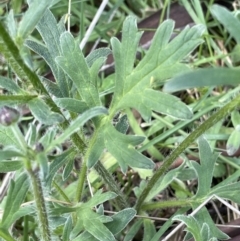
140,151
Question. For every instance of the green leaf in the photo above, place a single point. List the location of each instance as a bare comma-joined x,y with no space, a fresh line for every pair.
233,142
94,226
96,54
133,87
122,125
202,217
77,124
16,99
74,65
31,17
206,167
159,186
235,54
205,232
192,224
96,147
42,160
48,136
124,54
157,101
10,166
6,235
62,85
229,191
9,152
149,230
10,85
68,169
71,104
227,19
85,236
235,117
67,229
23,211
42,113
50,32
51,87
7,137
11,53
58,162
122,148
203,77
16,196
99,198
120,220
11,24
133,230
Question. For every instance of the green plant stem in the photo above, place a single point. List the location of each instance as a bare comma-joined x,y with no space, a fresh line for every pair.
25,230
4,234
224,111
108,178
40,203
61,192
81,181
168,204
11,53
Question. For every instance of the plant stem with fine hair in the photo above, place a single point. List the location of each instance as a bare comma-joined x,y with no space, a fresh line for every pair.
40,204
224,111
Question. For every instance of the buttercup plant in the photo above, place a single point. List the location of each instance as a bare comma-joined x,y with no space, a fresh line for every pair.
64,106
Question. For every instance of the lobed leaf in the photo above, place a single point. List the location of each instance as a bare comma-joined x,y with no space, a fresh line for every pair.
95,227
10,85
229,191
120,220
96,54
42,112
205,169
50,32
32,16
74,65
192,224
7,137
133,87
16,195
57,163
122,148
10,166
77,124
99,198
71,104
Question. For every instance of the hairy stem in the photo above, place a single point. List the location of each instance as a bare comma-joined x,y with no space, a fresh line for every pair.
40,204
81,181
224,111
10,51
108,178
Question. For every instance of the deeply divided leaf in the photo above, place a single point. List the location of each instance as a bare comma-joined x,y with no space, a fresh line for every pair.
15,197
133,87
